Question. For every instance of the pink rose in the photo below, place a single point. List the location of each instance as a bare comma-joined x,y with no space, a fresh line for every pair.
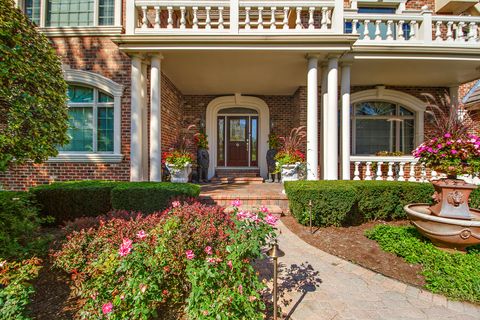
141,235
208,250
236,203
271,219
175,204
240,289
230,264
125,247
107,308
190,255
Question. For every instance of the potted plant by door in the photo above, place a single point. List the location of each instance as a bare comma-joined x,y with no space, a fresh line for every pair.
203,158
290,160
179,160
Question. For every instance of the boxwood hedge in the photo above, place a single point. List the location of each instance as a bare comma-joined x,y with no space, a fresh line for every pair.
350,202
69,200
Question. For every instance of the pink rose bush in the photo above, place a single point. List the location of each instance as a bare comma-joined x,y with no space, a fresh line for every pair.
129,266
451,155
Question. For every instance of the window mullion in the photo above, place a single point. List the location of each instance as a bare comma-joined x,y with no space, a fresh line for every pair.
96,10
95,121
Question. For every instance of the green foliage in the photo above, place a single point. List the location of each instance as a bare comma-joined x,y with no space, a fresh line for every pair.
346,202
192,255
455,275
69,200
148,197
33,109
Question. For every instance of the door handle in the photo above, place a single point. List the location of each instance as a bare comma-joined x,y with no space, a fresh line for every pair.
237,145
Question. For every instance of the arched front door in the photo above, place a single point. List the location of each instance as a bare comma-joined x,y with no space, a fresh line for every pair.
237,137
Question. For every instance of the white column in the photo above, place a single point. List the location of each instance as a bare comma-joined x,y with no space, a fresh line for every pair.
155,118
136,120
144,122
453,91
331,150
345,91
324,95
312,118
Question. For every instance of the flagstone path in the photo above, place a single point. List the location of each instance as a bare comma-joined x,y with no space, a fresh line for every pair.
317,285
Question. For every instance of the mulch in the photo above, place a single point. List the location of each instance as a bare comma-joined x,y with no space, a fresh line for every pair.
350,243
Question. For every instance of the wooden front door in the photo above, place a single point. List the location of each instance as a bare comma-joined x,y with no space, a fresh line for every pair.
237,141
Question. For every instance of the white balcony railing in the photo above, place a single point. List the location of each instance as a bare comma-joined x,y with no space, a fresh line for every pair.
233,16
421,28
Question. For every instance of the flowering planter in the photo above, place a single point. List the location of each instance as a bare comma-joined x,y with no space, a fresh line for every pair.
179,175
290,172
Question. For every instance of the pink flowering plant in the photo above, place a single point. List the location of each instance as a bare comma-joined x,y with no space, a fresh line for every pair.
190,257
451,146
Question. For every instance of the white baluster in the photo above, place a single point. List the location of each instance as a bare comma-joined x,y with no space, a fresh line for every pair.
324,21
273,20
144,17
195,18
424,174
260,18
368,172
329,16
298,20
379,170
434,175
356,172
366,33
438,31
208,19
170,18
412,177
285,18
460,35
183,21
311,22
247,18
354,26
449,31
157,18
389,30
401,35
413,31
401,172
390,171
220,18
472,32
378,34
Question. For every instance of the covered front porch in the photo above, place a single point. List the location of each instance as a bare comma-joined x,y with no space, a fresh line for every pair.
353,104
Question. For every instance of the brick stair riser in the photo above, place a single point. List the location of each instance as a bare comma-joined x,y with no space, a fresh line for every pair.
282,203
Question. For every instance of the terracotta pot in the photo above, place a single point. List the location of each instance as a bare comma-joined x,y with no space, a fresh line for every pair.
179,175
451,198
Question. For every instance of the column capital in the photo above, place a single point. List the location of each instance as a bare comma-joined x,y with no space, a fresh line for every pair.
346,63
156,55
309,56
333,56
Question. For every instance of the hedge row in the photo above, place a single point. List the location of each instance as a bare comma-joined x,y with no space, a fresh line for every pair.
350,202
70,200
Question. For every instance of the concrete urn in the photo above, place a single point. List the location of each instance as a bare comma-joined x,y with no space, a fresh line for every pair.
179,175
291,172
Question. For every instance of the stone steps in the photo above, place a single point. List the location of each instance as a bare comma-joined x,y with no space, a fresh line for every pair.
253,180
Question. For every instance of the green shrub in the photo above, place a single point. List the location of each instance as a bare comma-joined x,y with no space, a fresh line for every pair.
347,202
455,275
475,199
70,200
148,197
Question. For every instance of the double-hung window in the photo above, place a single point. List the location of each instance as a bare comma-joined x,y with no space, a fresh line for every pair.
91,119
382,126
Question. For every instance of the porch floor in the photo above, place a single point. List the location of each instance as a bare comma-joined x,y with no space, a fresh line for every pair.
251,195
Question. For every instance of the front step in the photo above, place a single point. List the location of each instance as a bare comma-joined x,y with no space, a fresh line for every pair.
230,180
237,173
273,209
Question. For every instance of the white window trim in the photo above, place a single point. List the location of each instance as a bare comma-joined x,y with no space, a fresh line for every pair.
413,104
110,87
94,29
400,4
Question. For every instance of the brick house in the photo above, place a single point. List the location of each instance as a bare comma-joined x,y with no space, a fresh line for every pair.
353,72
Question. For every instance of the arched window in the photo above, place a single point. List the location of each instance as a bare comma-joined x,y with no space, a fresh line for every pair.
382,126
91,119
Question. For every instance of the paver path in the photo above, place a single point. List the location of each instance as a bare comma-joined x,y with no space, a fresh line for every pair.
317,285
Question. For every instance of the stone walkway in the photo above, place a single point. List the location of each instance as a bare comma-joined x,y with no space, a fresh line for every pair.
317,285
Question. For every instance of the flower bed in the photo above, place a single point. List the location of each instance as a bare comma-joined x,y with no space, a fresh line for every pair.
190,256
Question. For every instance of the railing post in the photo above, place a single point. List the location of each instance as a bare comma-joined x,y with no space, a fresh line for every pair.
130,17
337,23
426,28
234,16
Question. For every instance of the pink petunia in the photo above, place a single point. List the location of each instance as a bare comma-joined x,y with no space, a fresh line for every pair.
236,203
230,264
264,209
175,204
107,308
190,255
240,289
271,219
447,135
141,234
208,250
125,247
454,152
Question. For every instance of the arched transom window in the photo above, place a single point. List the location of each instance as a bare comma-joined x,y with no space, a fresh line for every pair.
382,126
91,119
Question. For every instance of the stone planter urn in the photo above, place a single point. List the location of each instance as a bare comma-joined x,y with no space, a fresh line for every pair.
291,172
179,175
